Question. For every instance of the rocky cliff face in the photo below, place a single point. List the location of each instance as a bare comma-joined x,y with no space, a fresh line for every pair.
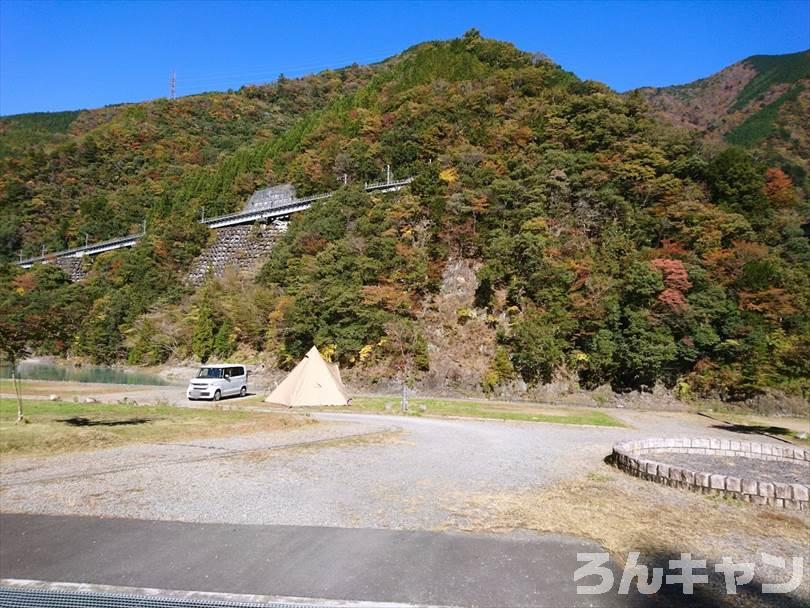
461,341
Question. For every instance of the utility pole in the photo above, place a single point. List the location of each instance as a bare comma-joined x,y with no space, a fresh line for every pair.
173,85
345,179
43,250
144,226
86,239
387,174
202,214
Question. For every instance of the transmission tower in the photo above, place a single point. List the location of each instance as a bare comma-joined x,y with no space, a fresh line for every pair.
172,85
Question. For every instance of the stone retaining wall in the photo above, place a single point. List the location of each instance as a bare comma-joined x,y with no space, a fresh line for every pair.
74,267
243,247
634,457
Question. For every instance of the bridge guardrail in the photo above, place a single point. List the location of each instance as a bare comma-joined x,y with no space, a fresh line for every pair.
392,184
84,248
228,219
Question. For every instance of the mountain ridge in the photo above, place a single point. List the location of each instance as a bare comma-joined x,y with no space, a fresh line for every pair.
596,245
760,102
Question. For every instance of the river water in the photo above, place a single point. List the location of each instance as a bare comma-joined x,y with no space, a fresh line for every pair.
41,370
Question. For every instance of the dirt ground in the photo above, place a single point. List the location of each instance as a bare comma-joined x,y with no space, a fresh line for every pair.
419,473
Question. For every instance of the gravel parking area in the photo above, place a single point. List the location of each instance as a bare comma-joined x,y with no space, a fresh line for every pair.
362,472
744,468
350,470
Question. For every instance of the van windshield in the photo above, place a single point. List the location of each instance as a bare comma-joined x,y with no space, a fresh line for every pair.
210,372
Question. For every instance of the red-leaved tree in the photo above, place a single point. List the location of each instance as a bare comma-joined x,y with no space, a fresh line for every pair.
676,282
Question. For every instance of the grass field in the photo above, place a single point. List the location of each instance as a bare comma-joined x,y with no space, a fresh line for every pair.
485,409
55,427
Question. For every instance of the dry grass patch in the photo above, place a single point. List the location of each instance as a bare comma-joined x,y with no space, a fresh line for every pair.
55,427
623,513
626,514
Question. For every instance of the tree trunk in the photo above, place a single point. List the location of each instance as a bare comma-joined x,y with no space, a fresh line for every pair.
15,381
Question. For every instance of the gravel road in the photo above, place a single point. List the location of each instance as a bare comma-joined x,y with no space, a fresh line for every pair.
351,470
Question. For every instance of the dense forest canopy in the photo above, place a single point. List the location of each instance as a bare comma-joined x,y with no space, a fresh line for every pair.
608,246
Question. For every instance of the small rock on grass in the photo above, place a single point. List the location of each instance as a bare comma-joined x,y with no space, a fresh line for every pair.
90,400
53,397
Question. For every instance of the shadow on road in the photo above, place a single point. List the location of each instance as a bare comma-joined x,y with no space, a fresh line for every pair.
773,432
81,421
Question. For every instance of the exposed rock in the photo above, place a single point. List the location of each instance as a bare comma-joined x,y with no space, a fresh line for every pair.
776,402
460,346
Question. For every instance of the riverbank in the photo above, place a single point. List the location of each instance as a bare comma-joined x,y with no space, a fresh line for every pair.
54,369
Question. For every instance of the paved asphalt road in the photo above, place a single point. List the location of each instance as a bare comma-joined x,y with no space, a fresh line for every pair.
302,561
342,521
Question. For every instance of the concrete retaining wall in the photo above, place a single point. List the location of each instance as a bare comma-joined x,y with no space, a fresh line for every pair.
637,458
275,196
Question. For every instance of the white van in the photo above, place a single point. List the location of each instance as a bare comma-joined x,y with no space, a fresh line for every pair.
217,381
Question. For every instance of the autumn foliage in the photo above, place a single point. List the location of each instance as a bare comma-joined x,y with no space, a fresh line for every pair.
610,249
676,282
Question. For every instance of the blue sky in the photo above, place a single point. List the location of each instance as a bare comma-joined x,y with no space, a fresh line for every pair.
69,55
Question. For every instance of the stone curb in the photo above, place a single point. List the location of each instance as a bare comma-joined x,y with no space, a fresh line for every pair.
634,457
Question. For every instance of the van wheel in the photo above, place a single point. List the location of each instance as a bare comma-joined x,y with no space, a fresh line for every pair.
243,392
217,395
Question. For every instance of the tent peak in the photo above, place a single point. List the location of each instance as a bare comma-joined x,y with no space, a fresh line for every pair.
313,381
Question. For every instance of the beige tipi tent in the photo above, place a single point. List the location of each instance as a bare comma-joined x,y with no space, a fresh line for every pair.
313,382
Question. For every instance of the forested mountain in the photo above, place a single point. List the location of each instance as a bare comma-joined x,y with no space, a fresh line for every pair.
762,102
102,172
607,247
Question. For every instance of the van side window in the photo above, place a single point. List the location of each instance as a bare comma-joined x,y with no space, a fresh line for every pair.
237,371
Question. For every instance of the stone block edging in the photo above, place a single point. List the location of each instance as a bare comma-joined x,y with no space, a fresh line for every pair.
634,457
